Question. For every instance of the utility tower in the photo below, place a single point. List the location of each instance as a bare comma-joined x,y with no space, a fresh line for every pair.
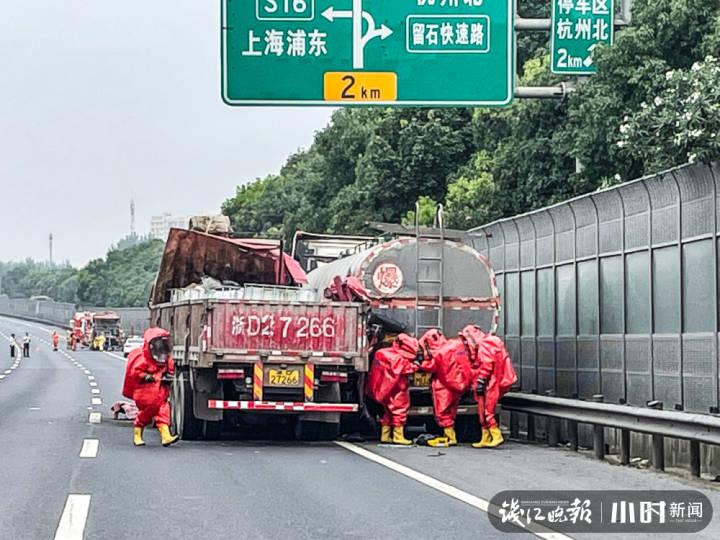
132,217
50,239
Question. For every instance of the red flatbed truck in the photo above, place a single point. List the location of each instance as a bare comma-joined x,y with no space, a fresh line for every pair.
252,344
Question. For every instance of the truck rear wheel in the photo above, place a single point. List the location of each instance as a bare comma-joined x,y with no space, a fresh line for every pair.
184,422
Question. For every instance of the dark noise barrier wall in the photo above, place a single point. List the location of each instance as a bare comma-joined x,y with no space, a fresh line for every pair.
615,292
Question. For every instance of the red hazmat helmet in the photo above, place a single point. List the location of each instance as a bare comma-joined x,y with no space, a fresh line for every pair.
406,345
432,340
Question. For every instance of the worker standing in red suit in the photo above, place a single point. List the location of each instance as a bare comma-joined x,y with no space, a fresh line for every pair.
55,341
493,376
388,385
147,379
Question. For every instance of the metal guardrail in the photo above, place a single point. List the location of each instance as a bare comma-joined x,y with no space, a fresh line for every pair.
695,428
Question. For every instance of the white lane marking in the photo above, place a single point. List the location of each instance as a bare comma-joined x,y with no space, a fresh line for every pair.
89,448
95,390
96,401
2,377
115,355
91,378
95,418
74,517
34,408
88,372
442,487
93,383
8,371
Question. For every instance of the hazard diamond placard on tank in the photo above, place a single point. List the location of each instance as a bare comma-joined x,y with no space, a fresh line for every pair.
368,52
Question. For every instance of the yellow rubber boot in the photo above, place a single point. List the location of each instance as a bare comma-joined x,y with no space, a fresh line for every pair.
399,436
439,442
485,440
165,438
449,433
497,438
137,437
386,434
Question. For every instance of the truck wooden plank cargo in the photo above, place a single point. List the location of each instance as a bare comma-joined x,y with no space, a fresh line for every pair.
251,345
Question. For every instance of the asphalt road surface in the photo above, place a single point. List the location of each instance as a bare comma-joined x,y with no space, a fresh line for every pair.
67,472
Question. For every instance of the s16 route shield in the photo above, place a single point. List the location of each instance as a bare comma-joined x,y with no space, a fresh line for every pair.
368,52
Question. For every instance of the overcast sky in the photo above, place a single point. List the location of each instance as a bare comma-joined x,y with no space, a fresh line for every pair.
101,100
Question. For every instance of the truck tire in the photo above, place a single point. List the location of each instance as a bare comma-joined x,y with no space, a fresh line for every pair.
184,423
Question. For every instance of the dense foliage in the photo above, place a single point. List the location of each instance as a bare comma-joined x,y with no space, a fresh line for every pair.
374,164
122,279
29,278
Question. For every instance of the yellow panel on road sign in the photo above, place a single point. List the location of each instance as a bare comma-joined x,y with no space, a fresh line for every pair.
360,86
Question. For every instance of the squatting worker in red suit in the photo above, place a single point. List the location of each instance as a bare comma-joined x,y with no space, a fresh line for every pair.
388,385
493,376
147,381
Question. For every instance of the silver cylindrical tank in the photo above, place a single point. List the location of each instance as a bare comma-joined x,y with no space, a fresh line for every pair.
390,274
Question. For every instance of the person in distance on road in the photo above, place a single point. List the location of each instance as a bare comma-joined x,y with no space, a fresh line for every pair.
147,378
26,345
13,346
55,341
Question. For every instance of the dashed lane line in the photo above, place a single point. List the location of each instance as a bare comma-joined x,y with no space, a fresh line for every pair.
95,418
74,517
442,487
89,448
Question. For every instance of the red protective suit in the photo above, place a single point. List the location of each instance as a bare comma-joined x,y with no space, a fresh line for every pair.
445,401
495,366
388,379
452,378
151,398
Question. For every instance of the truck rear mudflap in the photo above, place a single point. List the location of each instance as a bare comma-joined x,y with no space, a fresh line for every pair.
282,406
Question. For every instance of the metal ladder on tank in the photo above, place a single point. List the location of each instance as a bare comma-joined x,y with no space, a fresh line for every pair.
424,264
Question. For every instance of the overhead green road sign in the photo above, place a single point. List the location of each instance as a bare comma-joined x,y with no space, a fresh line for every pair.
368,52
578,26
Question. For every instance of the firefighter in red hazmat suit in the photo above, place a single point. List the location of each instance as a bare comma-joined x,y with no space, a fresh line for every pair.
493,376
472,361
55,341
147,379
388,385
452,377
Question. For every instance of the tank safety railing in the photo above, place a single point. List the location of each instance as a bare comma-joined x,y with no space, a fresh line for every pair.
650,420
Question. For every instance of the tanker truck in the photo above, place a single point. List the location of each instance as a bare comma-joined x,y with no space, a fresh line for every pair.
421,282
254,347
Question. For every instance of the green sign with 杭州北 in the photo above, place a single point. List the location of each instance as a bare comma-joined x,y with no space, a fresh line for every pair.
578,26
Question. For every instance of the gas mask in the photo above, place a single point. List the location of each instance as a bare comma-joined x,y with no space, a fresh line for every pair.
160,349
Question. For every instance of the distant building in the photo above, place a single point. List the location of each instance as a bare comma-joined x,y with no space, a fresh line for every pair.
160,225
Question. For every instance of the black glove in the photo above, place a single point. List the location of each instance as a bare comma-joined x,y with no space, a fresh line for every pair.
419,357
481,386
166,378
148,378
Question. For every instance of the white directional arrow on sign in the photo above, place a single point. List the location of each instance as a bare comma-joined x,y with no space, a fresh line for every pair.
359,39
588,59
331,14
